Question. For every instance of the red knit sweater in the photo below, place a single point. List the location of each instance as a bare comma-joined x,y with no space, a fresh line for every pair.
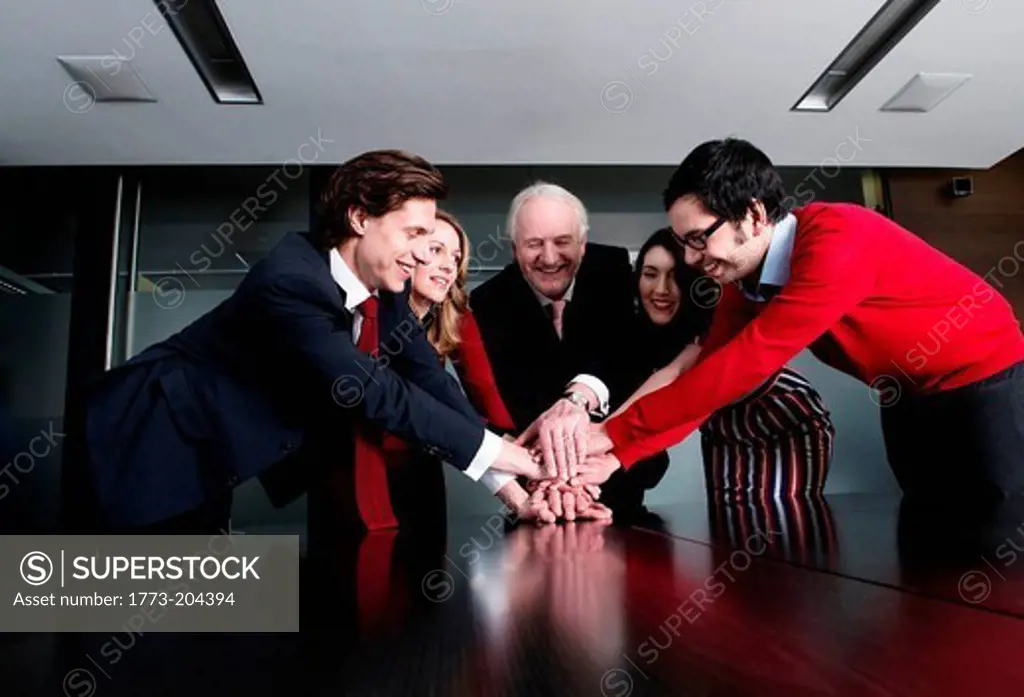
866,297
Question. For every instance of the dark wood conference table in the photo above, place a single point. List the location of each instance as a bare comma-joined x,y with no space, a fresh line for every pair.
968,557
855,595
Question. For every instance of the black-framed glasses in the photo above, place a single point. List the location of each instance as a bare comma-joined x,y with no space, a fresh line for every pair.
698,239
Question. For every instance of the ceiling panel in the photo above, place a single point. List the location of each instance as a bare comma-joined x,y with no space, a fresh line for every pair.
529,81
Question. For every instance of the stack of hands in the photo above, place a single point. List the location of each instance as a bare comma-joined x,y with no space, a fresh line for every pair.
565,458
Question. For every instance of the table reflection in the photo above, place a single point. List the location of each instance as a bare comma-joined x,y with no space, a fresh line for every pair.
590,609
968,555
800,529
550,600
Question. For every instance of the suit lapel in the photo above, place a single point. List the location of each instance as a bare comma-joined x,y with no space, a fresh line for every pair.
573,311
394,309
320,263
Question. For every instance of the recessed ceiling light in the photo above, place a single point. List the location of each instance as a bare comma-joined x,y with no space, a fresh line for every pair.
107,78
925,91
879,36
204,35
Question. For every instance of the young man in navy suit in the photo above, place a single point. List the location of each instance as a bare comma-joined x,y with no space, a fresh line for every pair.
280,374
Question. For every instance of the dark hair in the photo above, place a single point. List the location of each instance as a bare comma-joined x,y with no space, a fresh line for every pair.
379,182
692,319
666,239
725,176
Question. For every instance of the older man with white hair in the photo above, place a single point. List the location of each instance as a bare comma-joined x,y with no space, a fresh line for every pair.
556,324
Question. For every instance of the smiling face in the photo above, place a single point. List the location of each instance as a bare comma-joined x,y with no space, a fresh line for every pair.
433,279
733,251
659,292
391,245
549,245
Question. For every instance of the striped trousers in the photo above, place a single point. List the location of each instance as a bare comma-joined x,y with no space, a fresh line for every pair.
775,443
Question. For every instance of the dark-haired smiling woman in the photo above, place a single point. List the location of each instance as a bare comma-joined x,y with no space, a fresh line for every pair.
774,443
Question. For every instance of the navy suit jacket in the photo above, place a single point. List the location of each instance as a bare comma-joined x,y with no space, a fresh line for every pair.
266,378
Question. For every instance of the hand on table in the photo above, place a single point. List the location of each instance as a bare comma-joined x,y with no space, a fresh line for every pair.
537,512
524,506
570,502
551,498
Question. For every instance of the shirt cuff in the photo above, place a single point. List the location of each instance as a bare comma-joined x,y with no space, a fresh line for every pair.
599,389
495,481
485,456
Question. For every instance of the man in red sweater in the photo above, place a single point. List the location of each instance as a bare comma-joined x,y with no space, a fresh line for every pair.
937,343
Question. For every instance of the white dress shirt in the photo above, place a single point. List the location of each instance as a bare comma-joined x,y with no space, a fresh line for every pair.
355,293
778,259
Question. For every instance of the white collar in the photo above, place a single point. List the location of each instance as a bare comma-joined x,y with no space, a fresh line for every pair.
545,300
355,291
776,269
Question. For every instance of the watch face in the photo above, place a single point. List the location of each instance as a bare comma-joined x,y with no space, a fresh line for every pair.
577,399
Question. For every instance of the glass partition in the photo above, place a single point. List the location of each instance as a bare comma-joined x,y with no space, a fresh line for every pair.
37,236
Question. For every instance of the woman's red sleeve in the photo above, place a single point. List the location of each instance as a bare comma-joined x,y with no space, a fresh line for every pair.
474,370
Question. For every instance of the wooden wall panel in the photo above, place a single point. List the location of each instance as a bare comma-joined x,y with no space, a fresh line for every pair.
984,231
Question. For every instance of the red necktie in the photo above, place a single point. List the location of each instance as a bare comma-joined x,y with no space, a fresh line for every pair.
375,597
557,309
371,478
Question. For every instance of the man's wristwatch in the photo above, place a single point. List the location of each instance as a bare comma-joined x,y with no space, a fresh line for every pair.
577,398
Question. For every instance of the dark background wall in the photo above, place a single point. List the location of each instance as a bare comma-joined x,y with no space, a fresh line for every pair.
37,246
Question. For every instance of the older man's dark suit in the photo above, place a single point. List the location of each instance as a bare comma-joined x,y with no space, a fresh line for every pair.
533,367
267,381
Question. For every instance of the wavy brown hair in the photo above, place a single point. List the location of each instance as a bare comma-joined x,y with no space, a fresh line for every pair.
378,182
442,324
